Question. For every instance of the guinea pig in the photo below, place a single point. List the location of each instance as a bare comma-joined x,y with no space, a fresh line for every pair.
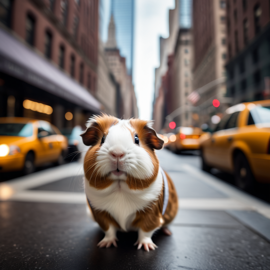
125,187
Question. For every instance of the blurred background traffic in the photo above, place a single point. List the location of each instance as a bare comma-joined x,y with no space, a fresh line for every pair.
61,61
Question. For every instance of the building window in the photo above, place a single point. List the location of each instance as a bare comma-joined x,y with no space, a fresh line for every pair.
61,57
222,4
64,11
257,15
81,73
5,12
186,50
51,5
242,67
48,45
223,41
257,78
229,25
243,85
186,62
235,15
77,2
186,84
230,51
30,30
232,91
236,41
244,3
255,56
245,26
89,81
222,19
231,72
75,26
72,66
224,56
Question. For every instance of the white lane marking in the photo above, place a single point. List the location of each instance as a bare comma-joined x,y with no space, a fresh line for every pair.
45,177
211,204
49,197
245,199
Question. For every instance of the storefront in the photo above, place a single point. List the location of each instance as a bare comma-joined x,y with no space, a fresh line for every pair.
30,86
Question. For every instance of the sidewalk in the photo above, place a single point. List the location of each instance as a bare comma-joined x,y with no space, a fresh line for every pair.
43,225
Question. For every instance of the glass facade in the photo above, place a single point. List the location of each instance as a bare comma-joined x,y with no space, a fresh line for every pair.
185,18
123,11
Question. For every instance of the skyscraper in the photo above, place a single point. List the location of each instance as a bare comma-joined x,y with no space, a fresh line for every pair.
185,13
123,13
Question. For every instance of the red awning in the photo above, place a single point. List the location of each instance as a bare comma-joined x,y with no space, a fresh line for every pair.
21,62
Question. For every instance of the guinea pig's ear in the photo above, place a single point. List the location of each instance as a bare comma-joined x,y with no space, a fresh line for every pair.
152,140
92,134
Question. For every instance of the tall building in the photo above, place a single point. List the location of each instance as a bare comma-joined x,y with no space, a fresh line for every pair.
123,13
170,80
185,13
210,52
127,103
49,55
248,42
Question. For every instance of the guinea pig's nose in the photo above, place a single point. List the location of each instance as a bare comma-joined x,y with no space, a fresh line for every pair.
117,154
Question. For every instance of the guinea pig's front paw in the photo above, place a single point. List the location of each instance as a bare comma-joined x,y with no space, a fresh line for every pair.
147,243
107,242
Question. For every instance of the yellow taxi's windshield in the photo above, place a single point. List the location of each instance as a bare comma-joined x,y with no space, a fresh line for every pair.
16,129
261,114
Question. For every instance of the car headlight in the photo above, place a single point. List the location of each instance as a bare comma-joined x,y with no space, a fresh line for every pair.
9,150
4,150
14,149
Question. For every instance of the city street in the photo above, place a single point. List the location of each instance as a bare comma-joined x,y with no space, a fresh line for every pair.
44,225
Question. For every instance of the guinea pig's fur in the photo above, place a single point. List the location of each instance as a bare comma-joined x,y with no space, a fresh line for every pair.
123,180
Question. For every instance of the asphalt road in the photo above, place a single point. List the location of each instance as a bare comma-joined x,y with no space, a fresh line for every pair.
43,224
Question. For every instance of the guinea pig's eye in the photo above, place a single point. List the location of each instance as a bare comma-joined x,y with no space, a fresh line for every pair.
103,139
136,139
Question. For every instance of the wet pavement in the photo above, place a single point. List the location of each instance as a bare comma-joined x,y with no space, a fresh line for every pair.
44,225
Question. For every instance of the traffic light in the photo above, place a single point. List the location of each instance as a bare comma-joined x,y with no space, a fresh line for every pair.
216,103
172,125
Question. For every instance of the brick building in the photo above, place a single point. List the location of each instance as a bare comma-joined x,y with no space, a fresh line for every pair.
60,37
248,66
210,52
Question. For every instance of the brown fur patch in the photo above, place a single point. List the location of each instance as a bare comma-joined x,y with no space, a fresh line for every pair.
95,132
101,127
149,218
133,182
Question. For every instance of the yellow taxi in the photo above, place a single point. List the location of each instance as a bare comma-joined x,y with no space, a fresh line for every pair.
186,138
26,143
240,144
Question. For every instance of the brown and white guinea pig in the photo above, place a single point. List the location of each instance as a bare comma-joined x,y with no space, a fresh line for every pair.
124,184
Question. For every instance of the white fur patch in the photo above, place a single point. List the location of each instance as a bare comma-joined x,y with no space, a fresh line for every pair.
136,160
121,202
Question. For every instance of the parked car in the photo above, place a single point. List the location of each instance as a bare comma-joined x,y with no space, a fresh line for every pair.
26,143
240,144
75,143
186,138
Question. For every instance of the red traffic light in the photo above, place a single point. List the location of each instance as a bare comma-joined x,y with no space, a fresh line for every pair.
172,125
216,103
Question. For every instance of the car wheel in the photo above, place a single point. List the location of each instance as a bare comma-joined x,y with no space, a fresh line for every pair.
29,164
243,176
204,166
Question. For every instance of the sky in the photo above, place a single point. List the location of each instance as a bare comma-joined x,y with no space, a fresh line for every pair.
151,21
